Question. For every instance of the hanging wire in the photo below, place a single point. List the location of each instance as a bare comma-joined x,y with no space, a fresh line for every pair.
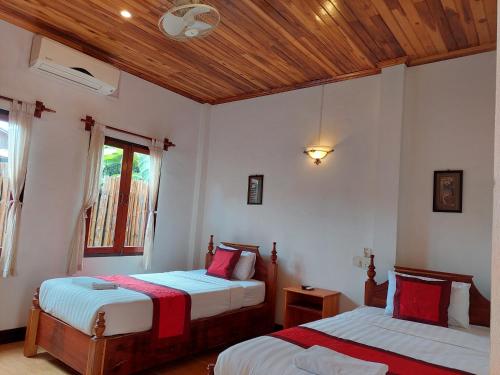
321,113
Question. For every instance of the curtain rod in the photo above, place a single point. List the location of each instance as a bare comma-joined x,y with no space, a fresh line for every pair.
89,122
39,106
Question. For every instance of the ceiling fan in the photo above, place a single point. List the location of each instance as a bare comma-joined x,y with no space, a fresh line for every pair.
189,19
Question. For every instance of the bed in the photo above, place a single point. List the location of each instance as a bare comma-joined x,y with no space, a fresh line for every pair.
112,332
439,349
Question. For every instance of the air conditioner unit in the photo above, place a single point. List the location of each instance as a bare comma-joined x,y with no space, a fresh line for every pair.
64,63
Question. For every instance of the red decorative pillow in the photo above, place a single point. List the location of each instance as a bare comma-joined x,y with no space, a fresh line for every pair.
422,301
223,263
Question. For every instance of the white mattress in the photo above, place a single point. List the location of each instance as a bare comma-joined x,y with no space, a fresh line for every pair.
466,350
127,311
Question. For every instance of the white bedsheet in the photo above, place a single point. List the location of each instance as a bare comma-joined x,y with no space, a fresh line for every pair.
128,311
467,350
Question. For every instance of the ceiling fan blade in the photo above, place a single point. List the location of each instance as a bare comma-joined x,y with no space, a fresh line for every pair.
202,26
196,11
173,25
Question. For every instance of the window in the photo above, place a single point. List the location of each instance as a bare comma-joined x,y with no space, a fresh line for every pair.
4,177
116,224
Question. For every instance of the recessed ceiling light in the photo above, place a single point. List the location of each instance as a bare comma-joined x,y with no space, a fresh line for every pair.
126,14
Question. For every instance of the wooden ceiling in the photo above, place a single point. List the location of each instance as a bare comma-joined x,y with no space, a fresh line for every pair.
264,46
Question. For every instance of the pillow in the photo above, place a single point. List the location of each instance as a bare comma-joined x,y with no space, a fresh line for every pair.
422,300
245,268
458,312
223,263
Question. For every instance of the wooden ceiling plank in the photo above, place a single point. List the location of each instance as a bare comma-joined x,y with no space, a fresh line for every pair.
315,35
354,30
394,18
258,82
457,23
418,26
391,45
390,42
341,31
313,55
339,43
467,19
394,26
490,7
481,21
283,62
371,20
432,12
280,45
335,24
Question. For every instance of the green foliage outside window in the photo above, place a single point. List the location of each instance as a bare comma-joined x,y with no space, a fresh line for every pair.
112,164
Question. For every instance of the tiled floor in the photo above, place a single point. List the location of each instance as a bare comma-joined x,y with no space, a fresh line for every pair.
12,362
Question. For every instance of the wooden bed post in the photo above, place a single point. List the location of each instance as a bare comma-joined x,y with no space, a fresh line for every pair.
272,280
97,347
210,252
370,284
30,346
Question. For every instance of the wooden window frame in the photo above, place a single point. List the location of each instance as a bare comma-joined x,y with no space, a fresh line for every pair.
119,248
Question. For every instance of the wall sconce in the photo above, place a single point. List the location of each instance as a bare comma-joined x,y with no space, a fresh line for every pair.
318,152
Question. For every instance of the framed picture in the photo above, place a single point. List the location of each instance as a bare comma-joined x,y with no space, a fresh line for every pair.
448,191
255,189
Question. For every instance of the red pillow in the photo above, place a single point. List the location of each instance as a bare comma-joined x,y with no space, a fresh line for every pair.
223,263
422,301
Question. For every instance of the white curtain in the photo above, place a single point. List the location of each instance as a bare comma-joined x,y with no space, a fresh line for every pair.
155,157
91,193
20,124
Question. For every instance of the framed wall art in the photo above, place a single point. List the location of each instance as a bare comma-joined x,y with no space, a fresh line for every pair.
255,189
448,186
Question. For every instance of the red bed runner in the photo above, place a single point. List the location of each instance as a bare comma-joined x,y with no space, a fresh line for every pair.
398,364
171,307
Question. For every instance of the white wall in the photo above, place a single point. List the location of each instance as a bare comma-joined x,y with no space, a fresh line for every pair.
323,216
56,164
448,124
320,216
495,263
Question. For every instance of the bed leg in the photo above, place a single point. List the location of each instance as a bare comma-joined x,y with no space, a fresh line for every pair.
30,346
97,348
211,369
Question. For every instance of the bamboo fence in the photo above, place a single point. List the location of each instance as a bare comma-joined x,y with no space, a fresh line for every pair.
103,217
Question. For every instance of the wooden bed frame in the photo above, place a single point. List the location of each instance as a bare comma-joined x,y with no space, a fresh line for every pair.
130,353
376,294
479,309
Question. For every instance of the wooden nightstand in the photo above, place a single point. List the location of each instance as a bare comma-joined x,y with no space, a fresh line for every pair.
303,306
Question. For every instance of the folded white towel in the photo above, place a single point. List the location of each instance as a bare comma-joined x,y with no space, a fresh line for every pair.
319,360
104,286
97,285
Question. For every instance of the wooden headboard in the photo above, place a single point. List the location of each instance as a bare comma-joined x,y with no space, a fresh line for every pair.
480,307
266,271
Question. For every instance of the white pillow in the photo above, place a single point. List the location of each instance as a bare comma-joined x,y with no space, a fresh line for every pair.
458,311
245,268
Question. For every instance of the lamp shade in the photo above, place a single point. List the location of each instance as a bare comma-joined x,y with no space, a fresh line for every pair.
318,152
